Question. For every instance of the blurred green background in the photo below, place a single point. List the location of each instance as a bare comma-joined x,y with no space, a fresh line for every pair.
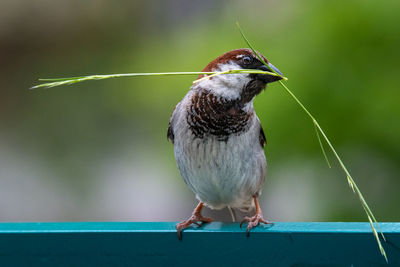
98,150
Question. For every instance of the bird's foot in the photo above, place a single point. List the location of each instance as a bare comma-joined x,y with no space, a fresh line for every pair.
196,218
253,222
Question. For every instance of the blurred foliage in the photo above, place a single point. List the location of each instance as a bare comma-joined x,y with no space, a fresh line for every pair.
341,58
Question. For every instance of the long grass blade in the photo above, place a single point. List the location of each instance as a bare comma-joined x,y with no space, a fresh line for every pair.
376,235
252,71
350,180
71,80
322,146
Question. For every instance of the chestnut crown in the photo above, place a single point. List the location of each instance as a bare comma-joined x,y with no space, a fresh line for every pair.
244,57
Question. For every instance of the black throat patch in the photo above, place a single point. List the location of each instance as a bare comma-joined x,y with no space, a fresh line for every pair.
209,114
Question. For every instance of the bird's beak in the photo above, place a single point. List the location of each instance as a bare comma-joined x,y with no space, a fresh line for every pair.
270,78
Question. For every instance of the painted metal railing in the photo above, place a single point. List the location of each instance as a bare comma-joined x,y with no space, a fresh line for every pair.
214,244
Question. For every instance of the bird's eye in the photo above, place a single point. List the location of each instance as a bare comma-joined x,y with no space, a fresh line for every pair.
247,60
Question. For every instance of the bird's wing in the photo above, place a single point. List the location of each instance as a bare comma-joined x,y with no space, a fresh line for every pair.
263,140
170,131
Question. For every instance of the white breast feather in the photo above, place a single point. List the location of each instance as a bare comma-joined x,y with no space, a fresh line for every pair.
219,173
228,86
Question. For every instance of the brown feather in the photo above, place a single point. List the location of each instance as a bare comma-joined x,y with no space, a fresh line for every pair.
209,114
263,140
170,133
228,56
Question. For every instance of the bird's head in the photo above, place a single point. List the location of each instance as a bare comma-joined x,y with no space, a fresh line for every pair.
241,86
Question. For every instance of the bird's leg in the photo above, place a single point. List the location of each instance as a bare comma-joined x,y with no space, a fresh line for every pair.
256,219
195,219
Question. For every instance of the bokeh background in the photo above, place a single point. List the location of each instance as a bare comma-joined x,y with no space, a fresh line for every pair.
97,151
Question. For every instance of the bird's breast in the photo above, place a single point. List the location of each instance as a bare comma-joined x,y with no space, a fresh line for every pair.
208,114
224,166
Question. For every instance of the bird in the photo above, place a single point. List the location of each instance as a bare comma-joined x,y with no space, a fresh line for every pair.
218,139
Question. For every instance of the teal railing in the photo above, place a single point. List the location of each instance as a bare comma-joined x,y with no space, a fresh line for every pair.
215,244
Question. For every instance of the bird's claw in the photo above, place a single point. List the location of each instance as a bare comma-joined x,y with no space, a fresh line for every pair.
253,222
194,219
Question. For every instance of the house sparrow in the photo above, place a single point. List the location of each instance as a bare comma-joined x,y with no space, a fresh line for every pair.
218,139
